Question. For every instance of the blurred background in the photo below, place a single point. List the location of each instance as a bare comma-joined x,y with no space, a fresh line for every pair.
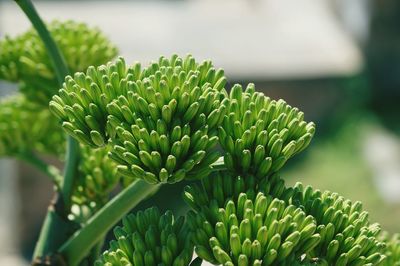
336,60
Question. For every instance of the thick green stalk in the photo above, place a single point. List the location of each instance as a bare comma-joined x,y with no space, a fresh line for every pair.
79,245
71,167
62,205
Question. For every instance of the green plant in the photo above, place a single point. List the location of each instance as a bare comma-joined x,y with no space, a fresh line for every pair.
144,127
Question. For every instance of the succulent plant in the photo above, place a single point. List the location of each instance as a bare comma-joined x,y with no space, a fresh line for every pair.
163,123
25,127
161,120
149,239
259,134
347,237
24,58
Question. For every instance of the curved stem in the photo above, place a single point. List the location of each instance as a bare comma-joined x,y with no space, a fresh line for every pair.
61,208
61,70
49,170
56,57
79,245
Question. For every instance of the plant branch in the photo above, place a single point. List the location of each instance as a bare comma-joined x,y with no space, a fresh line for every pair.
71,166
49,170
79,245
62,206
56,57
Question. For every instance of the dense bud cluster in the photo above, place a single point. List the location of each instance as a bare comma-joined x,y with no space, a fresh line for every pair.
343,234
259,134
97,177
162,120
252,231
221,186
24,58
18,133
149,239
347,237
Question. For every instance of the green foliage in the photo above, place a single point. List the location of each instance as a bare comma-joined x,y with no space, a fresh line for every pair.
162,120
259,134
149,239
24,58
25,127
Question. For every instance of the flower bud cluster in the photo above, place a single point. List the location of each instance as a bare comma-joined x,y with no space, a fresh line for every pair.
162,120
260,231
149,239
24,59
259,134
221,186
97,177
243,221
347,237
19,135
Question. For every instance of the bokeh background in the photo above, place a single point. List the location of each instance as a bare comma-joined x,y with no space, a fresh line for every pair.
337,60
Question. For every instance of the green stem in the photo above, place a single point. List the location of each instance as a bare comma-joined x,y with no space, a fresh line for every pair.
49,170
71,166
56,57
61,70
79,245
62,206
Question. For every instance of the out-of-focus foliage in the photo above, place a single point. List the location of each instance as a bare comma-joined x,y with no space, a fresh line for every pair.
26,127
24,58
393,250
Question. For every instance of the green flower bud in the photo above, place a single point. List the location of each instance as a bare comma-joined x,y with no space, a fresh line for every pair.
265,133
149,238
24,58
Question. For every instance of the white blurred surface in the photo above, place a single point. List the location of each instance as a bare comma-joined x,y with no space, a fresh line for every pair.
9,253
382,152
258,39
